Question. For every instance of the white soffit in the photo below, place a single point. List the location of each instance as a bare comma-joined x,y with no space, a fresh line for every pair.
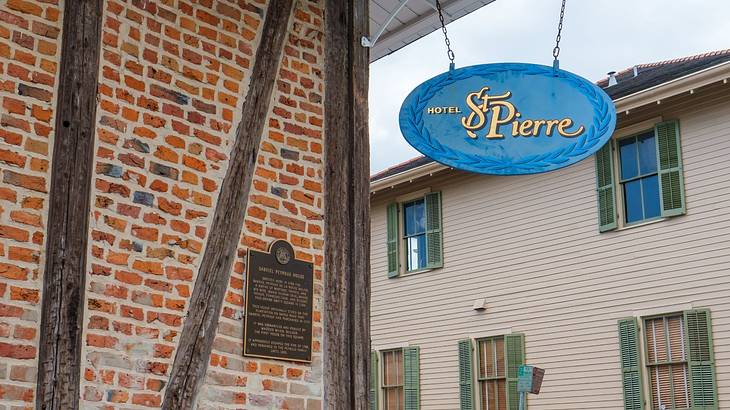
414,20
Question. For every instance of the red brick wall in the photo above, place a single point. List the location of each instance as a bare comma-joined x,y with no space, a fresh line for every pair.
29,56
285,203
173,76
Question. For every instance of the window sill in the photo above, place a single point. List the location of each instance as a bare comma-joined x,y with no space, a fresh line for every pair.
640,224
417,271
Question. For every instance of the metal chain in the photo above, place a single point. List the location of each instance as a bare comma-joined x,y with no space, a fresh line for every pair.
449,52
556,50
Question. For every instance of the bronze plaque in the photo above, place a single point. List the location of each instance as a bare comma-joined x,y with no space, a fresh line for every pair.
279,294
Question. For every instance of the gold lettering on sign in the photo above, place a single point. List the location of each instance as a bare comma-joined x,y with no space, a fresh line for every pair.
494,111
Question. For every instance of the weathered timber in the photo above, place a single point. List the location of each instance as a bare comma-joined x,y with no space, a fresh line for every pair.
196,340
59,358
346,207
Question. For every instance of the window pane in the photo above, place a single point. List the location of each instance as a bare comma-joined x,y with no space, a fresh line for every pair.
493,395
486,362
675,325
394,398
499,356
650,185
415,217
416,252
656,341
647,154
483,395
661,388
501,394
628,158
392,368
632,201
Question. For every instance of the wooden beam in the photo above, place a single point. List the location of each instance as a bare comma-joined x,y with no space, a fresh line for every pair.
346,207
59,358
196,340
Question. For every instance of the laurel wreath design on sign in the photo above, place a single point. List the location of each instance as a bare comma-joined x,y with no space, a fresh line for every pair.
580,148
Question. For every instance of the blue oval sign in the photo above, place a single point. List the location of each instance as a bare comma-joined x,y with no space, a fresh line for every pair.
507,119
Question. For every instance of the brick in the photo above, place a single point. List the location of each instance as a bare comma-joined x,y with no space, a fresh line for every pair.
26,218
149,234
17,393
25,7
14,351
12,158
24,295
128,277
168,94
143,198
147,400
10,311
163,170
13,272
22,254
169,207
16,234
101,341
35,92
22,373
45,30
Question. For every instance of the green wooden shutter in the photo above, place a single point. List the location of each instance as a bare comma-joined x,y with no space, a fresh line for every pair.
606,189
466,378
701,359
392,228
434,251
374,370
514,351
411,378
628,336
671,175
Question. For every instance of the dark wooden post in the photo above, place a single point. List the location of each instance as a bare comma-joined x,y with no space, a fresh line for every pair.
196,340
59,357
347,207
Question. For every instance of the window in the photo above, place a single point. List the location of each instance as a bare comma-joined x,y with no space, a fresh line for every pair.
492,376
393,380
640,178
677,361
666,362
492,368
414,234
395,384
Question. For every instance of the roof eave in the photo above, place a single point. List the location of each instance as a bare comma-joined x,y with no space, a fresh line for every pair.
674,87
406,176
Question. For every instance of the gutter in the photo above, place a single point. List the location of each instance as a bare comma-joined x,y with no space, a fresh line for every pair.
687,83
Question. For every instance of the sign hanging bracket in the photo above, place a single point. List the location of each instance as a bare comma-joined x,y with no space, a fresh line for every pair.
370,42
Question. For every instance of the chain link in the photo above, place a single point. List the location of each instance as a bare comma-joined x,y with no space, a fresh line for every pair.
449,52
556,50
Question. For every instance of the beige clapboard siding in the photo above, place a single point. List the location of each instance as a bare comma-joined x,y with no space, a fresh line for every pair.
530,245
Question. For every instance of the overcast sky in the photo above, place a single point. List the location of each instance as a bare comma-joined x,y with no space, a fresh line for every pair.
598,36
